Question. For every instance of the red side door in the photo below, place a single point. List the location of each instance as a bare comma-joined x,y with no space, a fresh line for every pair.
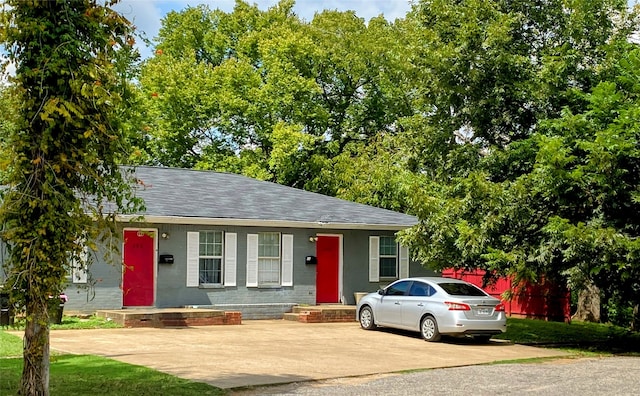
328,254
138,268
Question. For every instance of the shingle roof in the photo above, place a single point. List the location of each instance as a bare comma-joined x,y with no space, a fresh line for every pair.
193,196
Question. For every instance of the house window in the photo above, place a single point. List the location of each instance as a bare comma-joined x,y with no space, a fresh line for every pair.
388,257
210,257
77,270
269,259
206,258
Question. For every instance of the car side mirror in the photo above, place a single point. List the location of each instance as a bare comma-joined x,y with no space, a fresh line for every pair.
381,292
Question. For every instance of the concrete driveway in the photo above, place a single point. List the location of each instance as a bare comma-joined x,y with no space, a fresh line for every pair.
265,352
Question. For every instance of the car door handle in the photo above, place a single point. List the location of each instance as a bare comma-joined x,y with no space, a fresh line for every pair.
421,305
397,303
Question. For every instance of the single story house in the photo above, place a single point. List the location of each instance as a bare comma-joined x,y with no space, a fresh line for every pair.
225,241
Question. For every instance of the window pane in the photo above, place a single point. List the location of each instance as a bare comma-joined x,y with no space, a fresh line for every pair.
268,271
203,243
421,289
398,289
210,270
387,246
211,243
388,267
216,249
462,289
269,244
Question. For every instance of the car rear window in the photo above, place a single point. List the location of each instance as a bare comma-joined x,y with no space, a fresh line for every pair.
461,289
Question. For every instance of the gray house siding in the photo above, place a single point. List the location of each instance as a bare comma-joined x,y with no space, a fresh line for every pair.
104,290
356,267
103,287
254,303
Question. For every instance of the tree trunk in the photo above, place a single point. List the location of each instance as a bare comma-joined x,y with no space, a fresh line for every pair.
635,318
588,304
35,374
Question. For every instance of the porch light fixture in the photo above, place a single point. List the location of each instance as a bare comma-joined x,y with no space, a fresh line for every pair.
165,235
313,239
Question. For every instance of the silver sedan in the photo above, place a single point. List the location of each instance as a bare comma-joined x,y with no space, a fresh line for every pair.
434,307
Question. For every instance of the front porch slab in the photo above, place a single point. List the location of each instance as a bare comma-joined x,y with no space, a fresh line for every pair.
170,317
322,314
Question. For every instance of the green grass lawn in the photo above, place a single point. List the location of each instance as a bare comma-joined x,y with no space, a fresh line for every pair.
93,322
72,322
10,346
588,337
89,375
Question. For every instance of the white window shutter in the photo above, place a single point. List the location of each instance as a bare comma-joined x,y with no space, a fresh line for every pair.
193,259
287,260
79,269
404,262
252,260
374,259
230,258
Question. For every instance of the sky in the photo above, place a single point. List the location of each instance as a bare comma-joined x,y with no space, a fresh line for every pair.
147,15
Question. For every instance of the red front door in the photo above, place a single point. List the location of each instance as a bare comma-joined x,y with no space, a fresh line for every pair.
328,254
138,264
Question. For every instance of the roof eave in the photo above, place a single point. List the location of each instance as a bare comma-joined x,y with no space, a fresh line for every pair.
258,223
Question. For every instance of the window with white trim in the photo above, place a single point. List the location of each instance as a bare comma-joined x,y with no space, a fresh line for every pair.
387,259
210,257
77,270
269,259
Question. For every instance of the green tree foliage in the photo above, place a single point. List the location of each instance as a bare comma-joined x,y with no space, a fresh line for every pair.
492,69
266,94
63,182
372,173
595,230
8,123
531,126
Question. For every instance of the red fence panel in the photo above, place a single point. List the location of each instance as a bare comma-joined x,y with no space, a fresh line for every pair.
542,300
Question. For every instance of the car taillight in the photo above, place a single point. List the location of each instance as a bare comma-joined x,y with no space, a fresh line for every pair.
499,307
454,306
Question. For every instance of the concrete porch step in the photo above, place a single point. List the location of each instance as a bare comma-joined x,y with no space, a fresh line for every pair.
322,314
292,316
170,317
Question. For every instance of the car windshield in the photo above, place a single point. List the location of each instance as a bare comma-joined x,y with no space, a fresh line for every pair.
461,289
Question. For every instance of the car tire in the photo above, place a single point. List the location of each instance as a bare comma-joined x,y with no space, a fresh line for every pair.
366,318
483,339
429,329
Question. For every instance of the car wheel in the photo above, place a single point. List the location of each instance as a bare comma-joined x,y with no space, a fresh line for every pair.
482,338
366,318
429,329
